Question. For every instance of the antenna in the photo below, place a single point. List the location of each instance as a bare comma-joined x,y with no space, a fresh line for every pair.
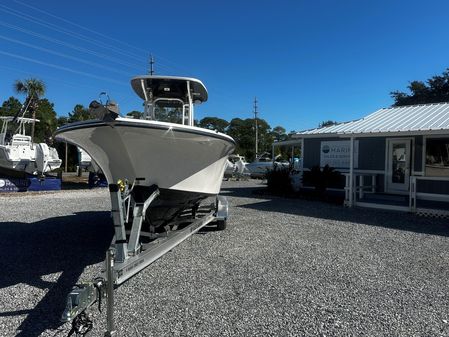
151,64
255,119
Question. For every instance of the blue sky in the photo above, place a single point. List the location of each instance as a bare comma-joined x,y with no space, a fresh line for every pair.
306,61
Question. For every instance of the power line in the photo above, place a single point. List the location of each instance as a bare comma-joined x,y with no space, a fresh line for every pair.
174,65
68,32
79,26
68,45
164,66
77,59
121,98
56,79
20,57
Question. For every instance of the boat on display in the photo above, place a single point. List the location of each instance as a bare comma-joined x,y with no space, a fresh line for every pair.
236,167
86,163
159,169
162,151
263,164
19,155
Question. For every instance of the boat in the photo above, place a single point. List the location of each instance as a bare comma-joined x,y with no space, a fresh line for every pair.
163,151
19,155
236,167
264,163
86,163
84,160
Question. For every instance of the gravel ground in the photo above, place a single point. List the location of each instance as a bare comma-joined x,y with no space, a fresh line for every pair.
283,267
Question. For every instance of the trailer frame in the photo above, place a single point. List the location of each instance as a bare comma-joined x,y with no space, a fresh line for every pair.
128,255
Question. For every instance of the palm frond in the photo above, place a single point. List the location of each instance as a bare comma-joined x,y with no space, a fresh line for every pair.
31,87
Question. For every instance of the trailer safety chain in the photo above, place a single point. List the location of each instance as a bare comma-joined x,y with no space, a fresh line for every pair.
81,325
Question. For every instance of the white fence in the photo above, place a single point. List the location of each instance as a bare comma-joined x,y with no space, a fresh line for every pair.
415,196
366,183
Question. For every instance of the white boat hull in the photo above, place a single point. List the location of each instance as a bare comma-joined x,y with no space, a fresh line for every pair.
170,156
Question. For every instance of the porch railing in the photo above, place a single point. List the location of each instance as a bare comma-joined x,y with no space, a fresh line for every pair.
360,187
415,195
366,183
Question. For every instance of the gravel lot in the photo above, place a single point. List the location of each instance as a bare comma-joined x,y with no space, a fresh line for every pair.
283,267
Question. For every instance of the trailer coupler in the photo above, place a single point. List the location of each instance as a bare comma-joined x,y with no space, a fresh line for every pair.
79,300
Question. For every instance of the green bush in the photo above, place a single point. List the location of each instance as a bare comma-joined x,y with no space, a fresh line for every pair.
322,179
278,181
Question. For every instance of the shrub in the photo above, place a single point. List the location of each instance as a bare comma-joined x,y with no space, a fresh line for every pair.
322,179
278,181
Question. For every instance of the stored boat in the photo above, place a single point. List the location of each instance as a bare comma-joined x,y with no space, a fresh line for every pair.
263,164
236,167
86,163
162,151
18,153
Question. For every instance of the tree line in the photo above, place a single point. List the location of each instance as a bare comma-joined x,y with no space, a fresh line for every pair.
433,90
244,133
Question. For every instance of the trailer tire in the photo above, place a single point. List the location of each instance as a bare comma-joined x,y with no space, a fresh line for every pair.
221,225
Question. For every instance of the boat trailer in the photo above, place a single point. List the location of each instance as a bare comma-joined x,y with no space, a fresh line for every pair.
128,253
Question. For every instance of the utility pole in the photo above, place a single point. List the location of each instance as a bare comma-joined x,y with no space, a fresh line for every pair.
151,64
255,118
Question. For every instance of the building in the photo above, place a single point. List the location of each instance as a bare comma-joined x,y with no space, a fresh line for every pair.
395,158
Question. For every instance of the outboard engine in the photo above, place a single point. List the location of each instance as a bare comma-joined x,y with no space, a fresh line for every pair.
42,157
108,112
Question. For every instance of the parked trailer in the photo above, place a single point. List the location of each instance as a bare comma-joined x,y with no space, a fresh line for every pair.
132,250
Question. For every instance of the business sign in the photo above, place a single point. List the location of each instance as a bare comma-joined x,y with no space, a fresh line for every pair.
338,153
13,184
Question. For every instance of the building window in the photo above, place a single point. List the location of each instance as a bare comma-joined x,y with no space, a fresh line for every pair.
437,157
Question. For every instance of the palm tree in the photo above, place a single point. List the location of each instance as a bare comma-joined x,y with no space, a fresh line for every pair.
33,88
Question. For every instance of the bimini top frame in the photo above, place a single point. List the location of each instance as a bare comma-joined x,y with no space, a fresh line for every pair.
184,91
20,129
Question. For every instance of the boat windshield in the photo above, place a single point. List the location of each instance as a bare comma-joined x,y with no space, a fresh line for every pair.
171,111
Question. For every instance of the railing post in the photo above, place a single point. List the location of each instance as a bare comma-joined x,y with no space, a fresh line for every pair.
360,186
351,172
413,194
346,189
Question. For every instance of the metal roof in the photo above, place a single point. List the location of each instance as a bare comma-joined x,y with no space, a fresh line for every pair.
423,118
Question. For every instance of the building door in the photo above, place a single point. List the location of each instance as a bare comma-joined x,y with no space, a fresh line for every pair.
398,165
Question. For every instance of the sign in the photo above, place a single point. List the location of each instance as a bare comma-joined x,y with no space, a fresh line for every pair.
338,153
13,184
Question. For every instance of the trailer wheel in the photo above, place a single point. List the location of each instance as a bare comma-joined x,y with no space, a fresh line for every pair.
221,225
